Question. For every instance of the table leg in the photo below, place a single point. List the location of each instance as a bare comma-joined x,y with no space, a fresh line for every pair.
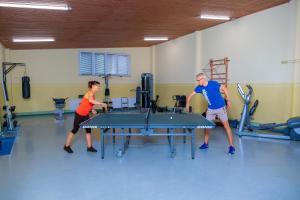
102,142
172,147
184,137
128,138
122,150
114,137
168,136
193,135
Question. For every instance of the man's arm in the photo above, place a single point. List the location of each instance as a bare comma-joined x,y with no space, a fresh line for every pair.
224,90
188,100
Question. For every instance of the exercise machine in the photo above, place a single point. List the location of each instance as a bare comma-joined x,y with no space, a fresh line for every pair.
144,93
9,123
146,89
59,104
289,130
10,127
107,99
180,103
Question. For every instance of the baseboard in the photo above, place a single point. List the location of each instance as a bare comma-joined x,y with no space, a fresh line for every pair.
41,113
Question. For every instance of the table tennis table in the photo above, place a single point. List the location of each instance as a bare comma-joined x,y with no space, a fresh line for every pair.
148,124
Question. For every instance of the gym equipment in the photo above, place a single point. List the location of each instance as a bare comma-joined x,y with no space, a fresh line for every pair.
154,104
13,116
217,69
59,104
180,103
10,127
26,87
6,145
147,89
107,99
289,130
138,96
8,122
144,93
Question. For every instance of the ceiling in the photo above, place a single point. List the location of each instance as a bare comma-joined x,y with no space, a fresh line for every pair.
117,23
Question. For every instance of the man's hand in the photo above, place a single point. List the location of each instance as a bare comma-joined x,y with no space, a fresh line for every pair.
94,111
187,107
224,90
228,103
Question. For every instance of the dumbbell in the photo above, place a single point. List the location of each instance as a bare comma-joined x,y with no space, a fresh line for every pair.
15,123
12,108
13,116
4,124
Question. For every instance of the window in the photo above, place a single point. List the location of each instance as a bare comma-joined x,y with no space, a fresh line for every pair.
86,63
123,65
100,64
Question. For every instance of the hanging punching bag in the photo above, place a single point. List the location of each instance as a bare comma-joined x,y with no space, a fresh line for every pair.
26,87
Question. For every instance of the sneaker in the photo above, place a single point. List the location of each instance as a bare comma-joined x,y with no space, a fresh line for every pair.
91,149
203,146
231,150
68,149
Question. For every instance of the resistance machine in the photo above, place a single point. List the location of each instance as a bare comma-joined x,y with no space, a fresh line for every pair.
10,127
289,130
9,124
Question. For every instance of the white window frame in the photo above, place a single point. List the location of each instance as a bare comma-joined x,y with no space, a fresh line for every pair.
105,64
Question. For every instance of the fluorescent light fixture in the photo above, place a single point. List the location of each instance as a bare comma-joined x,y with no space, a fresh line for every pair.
156,38
37,39
215,17
290,61
36,6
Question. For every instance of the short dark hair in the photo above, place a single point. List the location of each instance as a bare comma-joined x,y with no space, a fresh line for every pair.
91,83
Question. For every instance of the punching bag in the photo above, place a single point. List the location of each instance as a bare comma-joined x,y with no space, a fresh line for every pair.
26,87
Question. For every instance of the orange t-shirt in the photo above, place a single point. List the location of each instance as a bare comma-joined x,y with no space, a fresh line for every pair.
84,107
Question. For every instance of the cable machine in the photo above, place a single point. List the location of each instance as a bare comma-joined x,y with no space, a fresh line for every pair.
9,123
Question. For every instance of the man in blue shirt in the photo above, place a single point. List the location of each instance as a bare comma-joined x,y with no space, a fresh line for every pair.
211,90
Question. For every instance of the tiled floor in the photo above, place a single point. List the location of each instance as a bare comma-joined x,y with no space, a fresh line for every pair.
38,168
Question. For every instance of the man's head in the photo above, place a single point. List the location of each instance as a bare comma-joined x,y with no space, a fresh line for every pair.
201,79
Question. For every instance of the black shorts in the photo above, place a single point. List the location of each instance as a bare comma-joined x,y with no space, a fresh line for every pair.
78,119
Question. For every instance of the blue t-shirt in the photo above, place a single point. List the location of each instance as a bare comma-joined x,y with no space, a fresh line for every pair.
212,94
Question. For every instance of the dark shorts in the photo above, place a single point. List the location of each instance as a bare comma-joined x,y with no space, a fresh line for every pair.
78,119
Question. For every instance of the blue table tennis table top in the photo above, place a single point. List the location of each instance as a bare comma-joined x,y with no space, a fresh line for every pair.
139,120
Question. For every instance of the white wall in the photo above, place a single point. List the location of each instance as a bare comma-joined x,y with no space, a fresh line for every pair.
297,47
175,60
256,45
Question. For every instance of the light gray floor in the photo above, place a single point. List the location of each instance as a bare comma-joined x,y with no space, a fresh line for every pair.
38,168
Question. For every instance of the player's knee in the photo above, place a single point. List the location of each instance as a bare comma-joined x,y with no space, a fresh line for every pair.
75,130
88,131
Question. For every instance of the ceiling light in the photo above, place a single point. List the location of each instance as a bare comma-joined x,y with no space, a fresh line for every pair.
37,39
36,6
156,38
215,17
